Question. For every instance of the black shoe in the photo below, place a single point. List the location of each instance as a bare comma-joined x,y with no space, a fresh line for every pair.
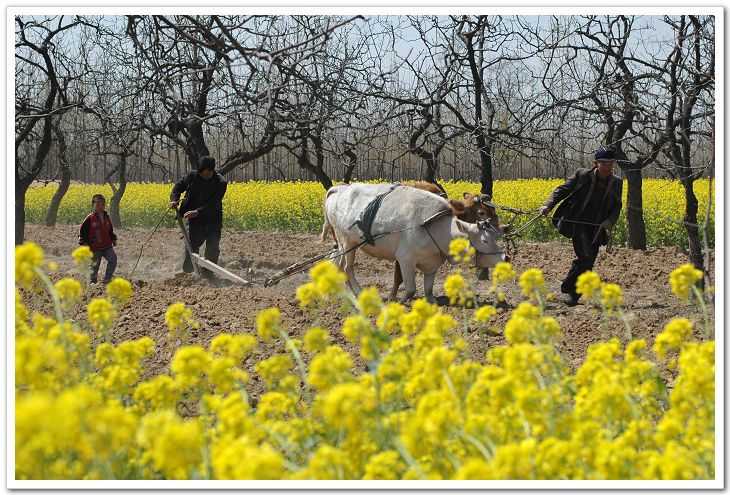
570,299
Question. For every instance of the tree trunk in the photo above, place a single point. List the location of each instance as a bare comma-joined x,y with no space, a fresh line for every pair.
350,167
20,189
485,157
195,146
116,198
431,168
690,224
635,227
52,215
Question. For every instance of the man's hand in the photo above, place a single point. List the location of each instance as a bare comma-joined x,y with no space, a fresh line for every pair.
114,243
173,204
190,214
544,210
606,225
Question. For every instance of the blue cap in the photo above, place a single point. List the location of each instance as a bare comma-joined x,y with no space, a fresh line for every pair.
605,153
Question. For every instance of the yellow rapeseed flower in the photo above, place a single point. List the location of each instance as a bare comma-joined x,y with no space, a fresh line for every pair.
120,292
369,301
101,313
588,283
461,250
327,279
611,298
28,257
268,322
683,278
316,340
82,255
69,292
190,365
457,289
532,283
675,333
484,313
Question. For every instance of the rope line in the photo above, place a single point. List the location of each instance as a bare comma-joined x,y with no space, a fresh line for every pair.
159,222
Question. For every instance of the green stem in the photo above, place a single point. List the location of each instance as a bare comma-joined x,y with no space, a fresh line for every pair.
295,353
705,313
52,291
206,447
622,317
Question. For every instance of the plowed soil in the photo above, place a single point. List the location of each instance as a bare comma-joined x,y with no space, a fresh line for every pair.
159,282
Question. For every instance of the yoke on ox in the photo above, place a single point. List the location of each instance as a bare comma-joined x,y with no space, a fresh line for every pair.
411,226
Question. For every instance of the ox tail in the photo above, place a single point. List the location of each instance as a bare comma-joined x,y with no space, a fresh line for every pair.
327,229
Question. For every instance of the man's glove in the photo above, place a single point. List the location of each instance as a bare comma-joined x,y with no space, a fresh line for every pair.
544,210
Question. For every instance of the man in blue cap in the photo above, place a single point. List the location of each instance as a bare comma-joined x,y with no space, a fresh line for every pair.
591,204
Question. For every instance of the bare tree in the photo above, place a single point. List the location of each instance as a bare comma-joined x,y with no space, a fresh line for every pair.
42,101
65,179
690,79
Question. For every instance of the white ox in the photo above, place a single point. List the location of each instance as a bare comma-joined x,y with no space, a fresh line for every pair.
420,227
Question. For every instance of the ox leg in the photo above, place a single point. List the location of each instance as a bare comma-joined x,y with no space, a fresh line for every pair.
408,271
428,281
350,271
397,280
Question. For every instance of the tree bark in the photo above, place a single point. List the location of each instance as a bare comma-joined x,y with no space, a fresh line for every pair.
20,189
350,167
635,226
116,198
52,215
690,224
485,156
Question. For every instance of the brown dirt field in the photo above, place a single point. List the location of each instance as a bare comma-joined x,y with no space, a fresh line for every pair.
159,282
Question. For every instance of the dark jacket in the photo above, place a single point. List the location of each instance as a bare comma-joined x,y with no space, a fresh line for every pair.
575,196
207,199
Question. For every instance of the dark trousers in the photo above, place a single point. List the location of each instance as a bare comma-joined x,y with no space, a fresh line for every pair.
111,264
586,252
202,230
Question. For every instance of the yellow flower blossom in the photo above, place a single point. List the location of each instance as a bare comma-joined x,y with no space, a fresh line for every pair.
268,322
484,313
120,292
101,314
316,340
532,283
328,280
369,301
190,365
611,297
28,257
588,283
69,292
683,278
460,250
675,333
82,255
457,289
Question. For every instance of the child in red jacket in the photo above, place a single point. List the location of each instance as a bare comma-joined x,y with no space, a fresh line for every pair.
97,232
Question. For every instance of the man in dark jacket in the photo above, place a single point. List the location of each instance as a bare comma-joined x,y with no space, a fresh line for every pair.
591,204
203,207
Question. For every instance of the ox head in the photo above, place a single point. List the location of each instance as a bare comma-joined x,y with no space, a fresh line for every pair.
477,208
483,238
